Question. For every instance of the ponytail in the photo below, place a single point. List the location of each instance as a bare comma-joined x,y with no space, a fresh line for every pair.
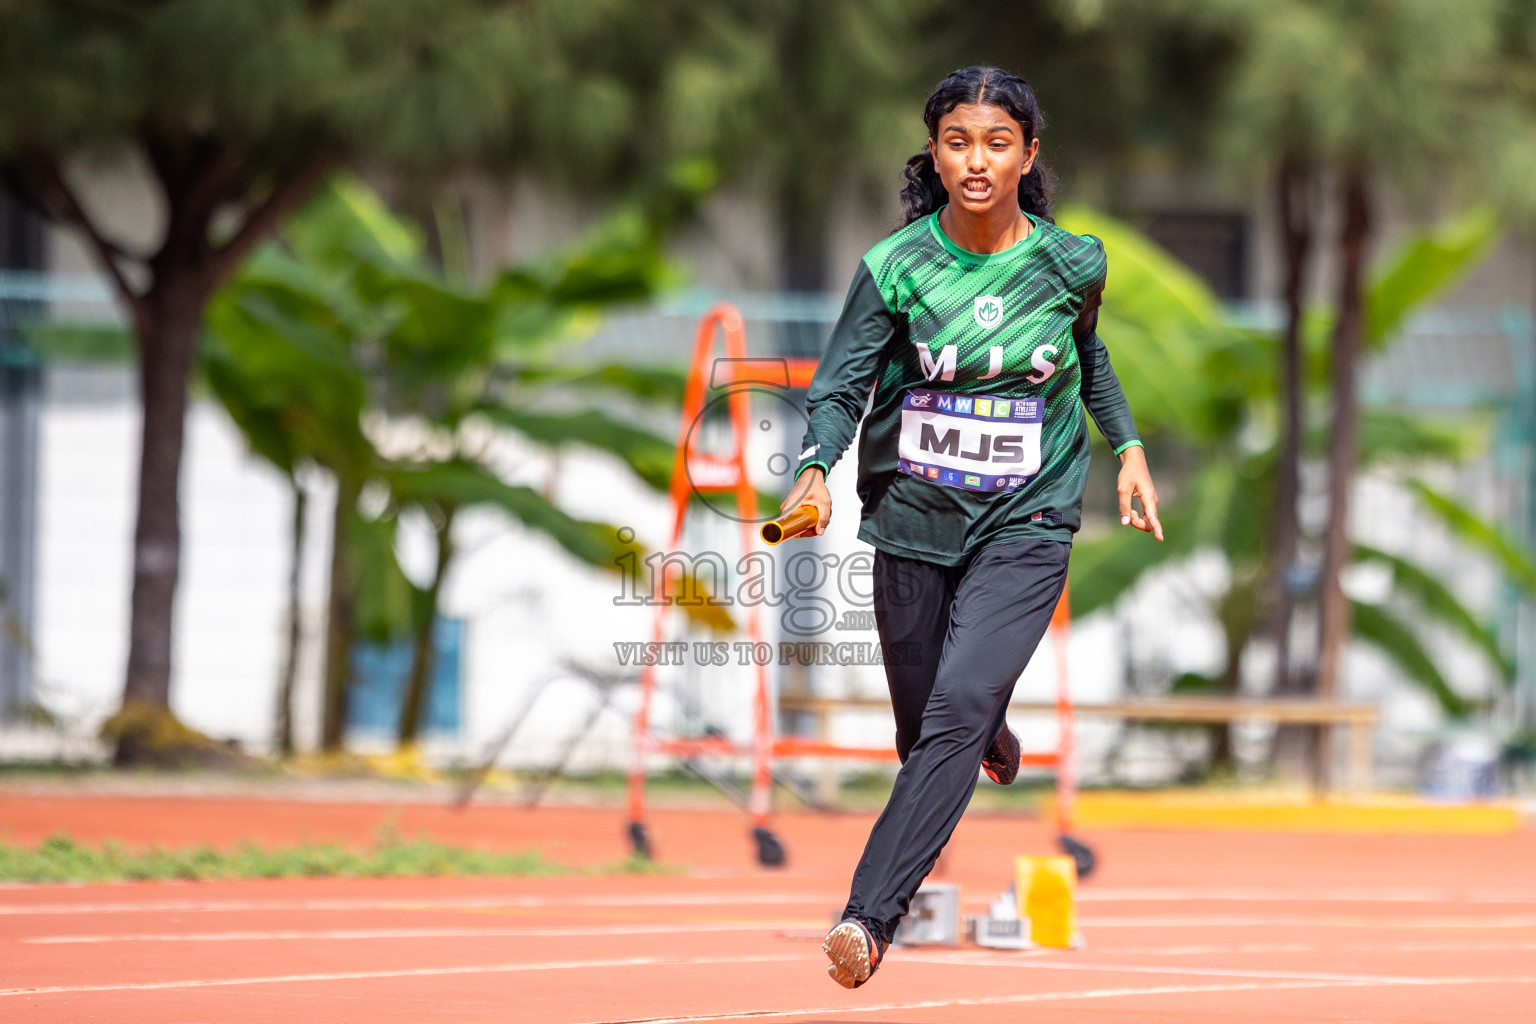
923,192
1035,191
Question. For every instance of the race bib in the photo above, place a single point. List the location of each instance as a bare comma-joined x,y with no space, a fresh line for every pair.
970,441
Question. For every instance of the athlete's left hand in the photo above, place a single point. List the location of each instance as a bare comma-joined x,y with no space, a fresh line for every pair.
1136,482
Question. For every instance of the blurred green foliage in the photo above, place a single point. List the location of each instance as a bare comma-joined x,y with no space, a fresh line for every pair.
60,859
417,84
238,109
235,104
1439,98
1209,387
342,345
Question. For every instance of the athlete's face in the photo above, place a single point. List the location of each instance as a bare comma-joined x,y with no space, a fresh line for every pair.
981,154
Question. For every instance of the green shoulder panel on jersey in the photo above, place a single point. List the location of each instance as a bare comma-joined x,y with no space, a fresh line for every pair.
1079,259
894,260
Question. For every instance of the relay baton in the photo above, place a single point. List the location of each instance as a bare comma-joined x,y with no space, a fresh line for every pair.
802,520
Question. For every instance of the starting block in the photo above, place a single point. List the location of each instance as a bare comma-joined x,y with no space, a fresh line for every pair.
933,919
1038,910
1001,927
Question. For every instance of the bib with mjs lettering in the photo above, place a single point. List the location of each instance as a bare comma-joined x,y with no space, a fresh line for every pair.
974,442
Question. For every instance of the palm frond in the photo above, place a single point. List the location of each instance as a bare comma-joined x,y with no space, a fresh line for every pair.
650,457
1388,435
1103,569
461,483
655,383
1437,600
1381,629
1425,265
1480,535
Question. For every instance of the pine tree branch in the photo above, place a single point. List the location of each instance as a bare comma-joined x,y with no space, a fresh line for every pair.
69,210
285,198
214,184
198,175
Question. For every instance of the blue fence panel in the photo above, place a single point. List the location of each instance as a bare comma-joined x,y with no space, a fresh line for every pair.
379,673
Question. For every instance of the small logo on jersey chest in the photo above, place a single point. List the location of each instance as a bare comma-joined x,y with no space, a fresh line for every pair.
988,311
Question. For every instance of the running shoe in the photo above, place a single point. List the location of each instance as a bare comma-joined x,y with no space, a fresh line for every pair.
1001,761
854,952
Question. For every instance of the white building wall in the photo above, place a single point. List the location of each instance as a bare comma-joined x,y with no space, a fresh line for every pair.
231,602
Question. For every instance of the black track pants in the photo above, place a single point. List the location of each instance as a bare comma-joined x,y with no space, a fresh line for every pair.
973,628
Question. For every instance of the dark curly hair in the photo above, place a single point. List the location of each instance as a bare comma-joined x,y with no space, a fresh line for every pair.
924,192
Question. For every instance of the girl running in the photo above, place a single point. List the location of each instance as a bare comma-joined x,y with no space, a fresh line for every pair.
974,326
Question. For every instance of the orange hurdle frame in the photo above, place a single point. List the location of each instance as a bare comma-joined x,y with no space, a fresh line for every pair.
694,471
718,476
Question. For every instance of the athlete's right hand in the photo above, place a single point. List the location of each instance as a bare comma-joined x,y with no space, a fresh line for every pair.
811,489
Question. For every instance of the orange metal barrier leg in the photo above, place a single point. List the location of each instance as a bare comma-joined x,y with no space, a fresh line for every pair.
1066,744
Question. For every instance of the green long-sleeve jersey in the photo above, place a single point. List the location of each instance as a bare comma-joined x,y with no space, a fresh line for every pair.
980,366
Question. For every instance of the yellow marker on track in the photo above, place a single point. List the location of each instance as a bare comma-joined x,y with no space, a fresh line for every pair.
1047,891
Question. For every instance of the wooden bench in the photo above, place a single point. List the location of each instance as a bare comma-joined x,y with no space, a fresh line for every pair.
1359,719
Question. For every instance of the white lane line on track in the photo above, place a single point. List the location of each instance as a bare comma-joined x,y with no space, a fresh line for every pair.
1253,947
1279,982
1090,894
1045,997
413,972
419,933
1211,972
1286,920
662,899
802,928
1303,947
1086,895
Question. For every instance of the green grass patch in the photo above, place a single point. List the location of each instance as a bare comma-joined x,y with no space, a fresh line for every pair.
60,859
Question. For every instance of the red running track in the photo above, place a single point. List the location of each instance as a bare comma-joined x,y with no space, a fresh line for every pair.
1181,927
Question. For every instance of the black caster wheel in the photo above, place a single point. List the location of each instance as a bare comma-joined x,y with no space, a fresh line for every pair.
1081,855
770,852
639,840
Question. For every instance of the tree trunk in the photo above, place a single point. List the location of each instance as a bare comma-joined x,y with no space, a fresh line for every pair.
167,339
1226,686
284,737
1293,188
423,659
1241,612
1334,614
200,177
340,627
